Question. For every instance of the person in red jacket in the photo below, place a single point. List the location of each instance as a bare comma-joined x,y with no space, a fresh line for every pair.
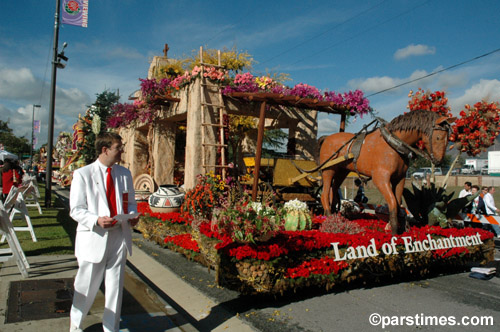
10,177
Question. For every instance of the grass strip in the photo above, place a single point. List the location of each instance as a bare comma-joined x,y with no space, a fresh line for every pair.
54,229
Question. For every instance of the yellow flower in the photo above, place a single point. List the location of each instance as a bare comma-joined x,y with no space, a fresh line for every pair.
263,81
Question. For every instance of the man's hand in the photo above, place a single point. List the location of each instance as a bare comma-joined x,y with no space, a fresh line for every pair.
134,221
106,222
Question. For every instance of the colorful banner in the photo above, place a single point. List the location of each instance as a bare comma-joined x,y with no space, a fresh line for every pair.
75,12
36,126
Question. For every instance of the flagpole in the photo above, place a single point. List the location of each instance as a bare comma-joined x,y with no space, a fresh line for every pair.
48,175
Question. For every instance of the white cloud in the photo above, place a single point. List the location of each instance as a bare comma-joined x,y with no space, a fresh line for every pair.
327,126
379,83
373,84
414,50
18,84
488,90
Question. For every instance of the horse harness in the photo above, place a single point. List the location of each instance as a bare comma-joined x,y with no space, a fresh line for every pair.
406,150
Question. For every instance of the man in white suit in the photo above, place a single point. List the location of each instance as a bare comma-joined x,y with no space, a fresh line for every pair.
101,243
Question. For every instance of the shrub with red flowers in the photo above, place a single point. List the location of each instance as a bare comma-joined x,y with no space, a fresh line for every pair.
209,192
429,101
184,241
477,128
171,217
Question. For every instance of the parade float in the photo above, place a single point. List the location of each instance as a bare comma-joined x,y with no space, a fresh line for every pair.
254,242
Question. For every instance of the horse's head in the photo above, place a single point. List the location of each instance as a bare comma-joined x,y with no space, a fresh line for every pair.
437,140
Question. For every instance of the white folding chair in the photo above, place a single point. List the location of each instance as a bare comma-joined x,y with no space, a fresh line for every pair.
15,250
19,207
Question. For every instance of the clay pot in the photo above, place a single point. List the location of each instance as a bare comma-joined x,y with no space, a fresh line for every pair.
168,198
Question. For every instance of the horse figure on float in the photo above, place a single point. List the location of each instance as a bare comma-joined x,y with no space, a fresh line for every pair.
384,156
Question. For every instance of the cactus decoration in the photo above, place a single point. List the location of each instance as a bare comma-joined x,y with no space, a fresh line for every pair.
297,216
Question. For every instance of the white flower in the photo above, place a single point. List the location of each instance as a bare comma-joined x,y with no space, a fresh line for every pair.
295,205
256,206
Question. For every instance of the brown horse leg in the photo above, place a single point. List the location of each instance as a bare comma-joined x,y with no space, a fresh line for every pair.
338,178
384,186
399,194
327,176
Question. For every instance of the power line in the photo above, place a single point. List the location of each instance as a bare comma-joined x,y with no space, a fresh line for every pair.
324,32
436,72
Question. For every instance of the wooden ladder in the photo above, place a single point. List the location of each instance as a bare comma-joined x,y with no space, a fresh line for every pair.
216,111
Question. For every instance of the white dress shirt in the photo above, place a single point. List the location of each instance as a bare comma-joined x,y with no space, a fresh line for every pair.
490,204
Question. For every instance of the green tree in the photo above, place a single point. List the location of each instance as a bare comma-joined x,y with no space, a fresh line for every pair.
12,143
97,115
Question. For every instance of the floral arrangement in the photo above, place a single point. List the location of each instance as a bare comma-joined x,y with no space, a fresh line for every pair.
184,241
247,221
212,73
294,259
210,190
337,223
477,127
355,101
429,101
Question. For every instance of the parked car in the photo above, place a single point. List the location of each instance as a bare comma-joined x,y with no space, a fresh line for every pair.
454,171
484,170
422,172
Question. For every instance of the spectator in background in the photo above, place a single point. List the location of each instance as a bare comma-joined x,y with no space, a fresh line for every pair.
477,205
489,201
466,191
360,195
10,177
484,191
491,209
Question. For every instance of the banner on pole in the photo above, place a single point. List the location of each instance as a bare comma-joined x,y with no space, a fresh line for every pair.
36,126
75,12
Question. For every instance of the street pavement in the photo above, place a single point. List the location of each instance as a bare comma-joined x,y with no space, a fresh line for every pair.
166,292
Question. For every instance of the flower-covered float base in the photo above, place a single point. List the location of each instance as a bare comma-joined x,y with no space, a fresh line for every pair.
293,260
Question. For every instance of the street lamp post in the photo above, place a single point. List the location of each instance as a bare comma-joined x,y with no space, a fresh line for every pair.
56,63
32,134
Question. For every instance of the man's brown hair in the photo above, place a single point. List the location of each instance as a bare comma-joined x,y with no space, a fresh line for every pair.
106,139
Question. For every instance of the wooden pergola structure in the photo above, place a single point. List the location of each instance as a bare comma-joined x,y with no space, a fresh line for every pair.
275,99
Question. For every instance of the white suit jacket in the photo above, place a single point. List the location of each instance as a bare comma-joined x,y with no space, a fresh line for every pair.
88,202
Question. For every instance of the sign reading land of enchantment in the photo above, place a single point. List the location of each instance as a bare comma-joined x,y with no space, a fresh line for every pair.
410,246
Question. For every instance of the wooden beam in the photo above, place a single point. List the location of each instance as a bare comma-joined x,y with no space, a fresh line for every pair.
258,153
293,101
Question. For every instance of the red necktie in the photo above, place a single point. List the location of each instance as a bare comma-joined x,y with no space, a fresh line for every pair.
110,193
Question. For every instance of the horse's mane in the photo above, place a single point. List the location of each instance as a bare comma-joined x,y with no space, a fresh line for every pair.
420,120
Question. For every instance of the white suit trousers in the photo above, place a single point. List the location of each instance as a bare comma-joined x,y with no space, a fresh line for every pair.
89,278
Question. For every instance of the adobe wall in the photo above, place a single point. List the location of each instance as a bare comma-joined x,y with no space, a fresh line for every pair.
151,148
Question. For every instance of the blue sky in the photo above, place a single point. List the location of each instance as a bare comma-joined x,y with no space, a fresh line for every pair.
333,45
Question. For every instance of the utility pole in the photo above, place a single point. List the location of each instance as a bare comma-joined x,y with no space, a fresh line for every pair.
56,63
32,134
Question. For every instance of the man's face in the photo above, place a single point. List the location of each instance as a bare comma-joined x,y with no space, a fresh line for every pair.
467,187
114,153
473,191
